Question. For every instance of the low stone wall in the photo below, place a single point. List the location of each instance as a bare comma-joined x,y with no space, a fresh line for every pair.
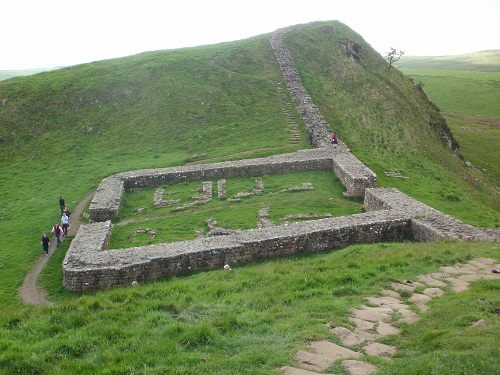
392,199
106,202
355,176
392,216
442,227
88,267
428,224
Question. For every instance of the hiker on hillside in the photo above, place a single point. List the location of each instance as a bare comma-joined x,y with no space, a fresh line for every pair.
57,230
65,224
311,135
45,244
61,203
335,140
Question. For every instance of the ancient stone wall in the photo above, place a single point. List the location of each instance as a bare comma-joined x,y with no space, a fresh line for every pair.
390,214
355,176
106,202
87,266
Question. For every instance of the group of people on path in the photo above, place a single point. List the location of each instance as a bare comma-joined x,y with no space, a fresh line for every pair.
58,230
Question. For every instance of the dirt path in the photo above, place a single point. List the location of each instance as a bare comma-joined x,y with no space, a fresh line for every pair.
29,292
477,119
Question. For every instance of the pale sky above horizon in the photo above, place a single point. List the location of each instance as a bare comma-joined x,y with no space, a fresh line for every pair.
50,33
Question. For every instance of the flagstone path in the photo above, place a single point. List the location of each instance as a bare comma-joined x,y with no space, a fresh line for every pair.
375,321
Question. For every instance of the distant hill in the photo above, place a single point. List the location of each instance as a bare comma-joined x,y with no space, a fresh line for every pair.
482,61
6,74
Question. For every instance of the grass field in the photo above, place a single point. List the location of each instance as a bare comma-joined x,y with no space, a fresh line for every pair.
472,93
62,132
240,327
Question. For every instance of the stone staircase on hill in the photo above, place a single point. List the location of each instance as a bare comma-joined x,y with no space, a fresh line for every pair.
288,110
373,322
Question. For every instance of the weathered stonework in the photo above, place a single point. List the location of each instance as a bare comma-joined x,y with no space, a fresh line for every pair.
390,216
106,201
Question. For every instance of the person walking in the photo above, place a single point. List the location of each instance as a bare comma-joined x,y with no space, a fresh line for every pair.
66,211
65,224
45,244
311,136
57,230
335,140
61,203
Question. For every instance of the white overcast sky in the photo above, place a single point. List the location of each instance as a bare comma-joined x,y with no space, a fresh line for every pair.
49,33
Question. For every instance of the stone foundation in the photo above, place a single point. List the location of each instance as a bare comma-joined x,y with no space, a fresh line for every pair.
392,216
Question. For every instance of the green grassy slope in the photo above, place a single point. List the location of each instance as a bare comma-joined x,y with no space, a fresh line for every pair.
468,101
61,132
449,88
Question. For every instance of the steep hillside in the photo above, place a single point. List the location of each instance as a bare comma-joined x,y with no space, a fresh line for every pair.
386,119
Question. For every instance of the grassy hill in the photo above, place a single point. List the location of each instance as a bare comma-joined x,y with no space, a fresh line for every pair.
62,131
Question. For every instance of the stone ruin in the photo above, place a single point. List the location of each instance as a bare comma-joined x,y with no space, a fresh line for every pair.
390,215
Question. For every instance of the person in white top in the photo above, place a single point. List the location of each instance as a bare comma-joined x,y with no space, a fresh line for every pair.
65,224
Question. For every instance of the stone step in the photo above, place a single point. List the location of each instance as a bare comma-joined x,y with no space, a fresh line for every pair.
287,370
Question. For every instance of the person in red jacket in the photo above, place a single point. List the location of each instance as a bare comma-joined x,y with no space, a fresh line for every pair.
335,141
57,230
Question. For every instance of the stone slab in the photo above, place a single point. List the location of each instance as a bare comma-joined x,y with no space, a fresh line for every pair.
367,335
408,316
390,293
333,351
458,285
313,361
433,292
358,367
362,324
429,280
420,301
399,286
379,350
390,302
287,370
347,337
385,329
371,315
